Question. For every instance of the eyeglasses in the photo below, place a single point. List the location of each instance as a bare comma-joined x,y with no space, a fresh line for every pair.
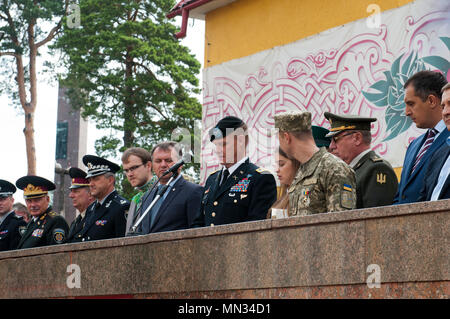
132,169
337,138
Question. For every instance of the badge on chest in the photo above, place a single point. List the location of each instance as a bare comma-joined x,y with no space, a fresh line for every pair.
241,186
101,222
37,233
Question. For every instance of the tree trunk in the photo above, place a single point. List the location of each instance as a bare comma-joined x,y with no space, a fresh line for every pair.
128,124
29,142
29,110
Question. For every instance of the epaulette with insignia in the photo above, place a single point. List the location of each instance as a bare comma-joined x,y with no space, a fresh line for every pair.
261,170
376,159
52,214
215,171
121,201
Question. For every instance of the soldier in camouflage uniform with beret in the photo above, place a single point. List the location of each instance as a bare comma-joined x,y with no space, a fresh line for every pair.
323,183
376,182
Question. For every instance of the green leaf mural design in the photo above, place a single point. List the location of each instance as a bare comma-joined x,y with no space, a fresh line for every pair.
389,93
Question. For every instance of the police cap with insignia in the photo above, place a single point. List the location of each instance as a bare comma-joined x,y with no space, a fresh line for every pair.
98,166
78,178
34,186
341,123
224,127
319,134
6,188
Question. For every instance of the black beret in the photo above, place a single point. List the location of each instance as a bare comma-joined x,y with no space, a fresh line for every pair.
224,127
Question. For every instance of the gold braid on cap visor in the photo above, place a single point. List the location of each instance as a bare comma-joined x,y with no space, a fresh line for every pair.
34,191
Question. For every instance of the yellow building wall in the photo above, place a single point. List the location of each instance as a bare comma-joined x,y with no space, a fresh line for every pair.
245,27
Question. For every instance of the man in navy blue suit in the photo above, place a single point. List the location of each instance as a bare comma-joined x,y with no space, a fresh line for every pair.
423,105
437,178
178,205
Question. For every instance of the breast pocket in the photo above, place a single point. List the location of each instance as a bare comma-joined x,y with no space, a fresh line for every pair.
303,196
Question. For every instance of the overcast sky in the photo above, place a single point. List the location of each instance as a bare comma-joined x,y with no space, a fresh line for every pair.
13,161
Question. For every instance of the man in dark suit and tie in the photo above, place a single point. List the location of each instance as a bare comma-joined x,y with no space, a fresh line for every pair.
437,178
423,105
240,191
177,206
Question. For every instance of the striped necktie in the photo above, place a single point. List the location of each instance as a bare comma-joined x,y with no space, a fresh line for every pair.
429,140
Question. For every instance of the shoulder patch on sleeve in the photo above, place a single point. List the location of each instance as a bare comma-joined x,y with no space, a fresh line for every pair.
347,198
59,235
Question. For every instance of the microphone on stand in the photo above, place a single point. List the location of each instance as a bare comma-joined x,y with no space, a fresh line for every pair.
186,158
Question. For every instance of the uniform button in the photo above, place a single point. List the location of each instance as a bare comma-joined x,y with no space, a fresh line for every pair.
215,203
212,225
235,201
213,214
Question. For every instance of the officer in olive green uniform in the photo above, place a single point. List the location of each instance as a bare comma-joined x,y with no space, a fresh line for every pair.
376,181
45,227
323,182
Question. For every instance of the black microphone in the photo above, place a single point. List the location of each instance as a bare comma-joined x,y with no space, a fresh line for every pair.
174,168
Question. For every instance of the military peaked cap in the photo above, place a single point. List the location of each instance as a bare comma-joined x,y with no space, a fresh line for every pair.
6,188
78,178
341,123
98,166
34,186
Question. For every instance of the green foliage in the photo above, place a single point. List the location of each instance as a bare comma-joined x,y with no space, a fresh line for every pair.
17,18
128,73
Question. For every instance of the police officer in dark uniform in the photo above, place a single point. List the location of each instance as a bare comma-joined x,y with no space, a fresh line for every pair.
11,225
106,217
376,181
45,227
240,191
81,199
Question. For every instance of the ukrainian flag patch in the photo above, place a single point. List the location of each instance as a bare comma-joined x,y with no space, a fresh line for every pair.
347,187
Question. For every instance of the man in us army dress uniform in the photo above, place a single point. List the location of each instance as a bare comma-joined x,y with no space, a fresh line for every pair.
45,227
323,182
106,216
81,199
11,225
376,182
240,191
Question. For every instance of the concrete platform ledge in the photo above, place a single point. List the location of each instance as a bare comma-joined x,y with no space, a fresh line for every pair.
388,252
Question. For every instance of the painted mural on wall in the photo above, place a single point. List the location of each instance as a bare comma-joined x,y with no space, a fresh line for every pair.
351,69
